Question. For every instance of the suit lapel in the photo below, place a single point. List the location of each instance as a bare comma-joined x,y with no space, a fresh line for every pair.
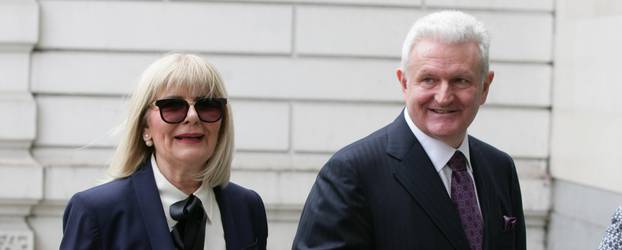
416,173
485,188
150,206
228,221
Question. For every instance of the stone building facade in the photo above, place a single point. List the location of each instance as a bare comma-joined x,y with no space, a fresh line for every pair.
305,77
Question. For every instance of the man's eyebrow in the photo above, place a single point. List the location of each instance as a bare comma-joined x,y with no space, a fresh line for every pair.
425,72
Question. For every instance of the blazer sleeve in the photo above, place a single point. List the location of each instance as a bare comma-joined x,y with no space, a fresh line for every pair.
260,223
335,215
80,229
517,206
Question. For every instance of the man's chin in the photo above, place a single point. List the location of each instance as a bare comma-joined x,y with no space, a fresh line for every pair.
445,130
449,136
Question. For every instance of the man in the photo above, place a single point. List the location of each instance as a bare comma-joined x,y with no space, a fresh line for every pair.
421,182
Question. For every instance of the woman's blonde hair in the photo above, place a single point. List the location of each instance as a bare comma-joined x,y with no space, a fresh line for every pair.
174,71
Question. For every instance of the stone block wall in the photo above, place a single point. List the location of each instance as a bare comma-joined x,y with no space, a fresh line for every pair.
586,163
305,78
21,177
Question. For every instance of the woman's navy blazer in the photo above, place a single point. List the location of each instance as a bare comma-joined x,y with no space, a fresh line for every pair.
127,213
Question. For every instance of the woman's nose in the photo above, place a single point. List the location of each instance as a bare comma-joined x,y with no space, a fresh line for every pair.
192,115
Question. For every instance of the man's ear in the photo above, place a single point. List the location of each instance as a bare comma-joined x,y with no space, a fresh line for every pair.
486,86
401,77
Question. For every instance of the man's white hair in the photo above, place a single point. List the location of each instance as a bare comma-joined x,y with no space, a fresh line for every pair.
451,27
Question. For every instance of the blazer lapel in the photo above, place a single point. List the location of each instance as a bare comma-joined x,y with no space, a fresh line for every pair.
228,221
485,188
150,206
416,173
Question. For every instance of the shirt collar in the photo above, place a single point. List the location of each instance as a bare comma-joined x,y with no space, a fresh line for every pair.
438,152
170,194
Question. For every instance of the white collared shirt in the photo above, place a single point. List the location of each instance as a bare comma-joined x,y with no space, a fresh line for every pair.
169,194
440,153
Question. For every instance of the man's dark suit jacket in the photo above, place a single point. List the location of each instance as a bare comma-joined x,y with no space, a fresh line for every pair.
383,192
127,214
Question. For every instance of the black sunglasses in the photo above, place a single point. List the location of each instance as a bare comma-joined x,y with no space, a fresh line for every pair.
175,110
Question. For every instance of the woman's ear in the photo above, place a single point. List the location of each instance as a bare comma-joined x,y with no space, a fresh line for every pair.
147,137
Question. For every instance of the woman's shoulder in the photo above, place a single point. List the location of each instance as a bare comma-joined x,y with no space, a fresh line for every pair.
239,193
103,194
248,207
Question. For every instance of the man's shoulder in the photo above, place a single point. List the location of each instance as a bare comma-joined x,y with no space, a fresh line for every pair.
488,150
368,146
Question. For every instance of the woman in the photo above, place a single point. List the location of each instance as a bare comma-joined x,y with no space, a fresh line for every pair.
171,170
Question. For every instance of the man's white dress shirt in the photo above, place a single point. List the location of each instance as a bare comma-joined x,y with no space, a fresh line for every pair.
440,153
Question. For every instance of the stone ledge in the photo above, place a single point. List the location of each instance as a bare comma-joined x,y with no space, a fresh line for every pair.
49,208
535,218
16,207
283,212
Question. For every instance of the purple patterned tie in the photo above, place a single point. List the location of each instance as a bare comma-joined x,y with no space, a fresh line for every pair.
463,196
